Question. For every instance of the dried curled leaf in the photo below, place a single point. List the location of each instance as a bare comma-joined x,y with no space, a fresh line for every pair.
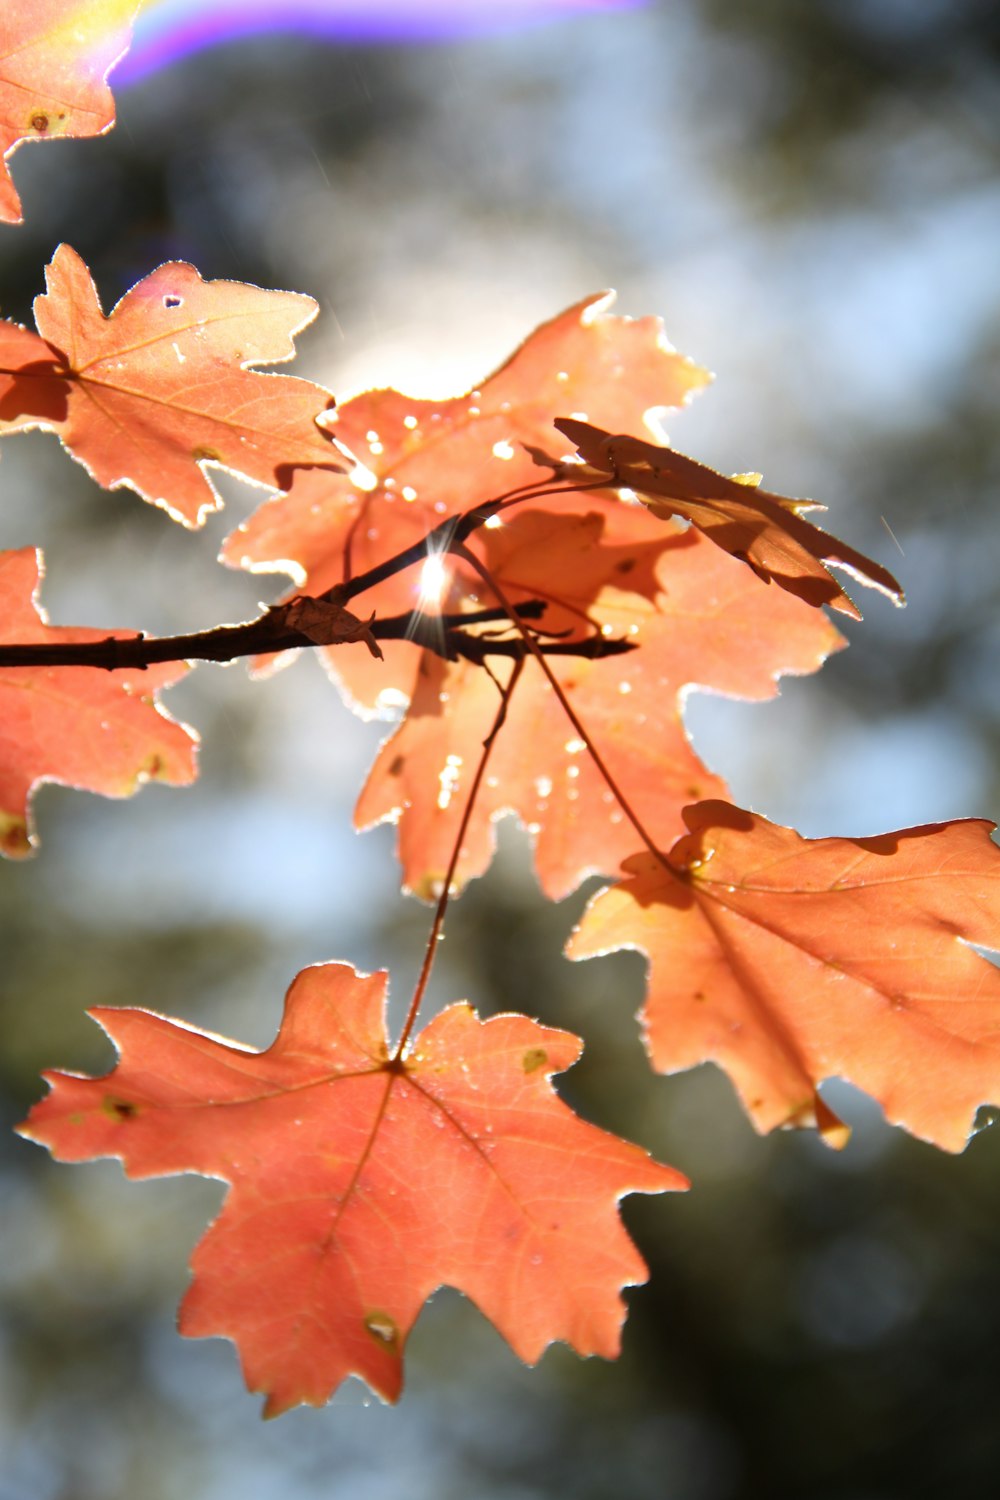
328,624
764,530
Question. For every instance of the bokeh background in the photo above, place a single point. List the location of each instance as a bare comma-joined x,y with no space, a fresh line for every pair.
809,195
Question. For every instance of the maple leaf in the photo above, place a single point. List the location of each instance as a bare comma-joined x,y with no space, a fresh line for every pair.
427,460
359,1184
55,56
789,960
81,726
163,384
764,530
695,617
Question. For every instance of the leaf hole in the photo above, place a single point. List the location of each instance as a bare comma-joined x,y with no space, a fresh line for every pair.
172,301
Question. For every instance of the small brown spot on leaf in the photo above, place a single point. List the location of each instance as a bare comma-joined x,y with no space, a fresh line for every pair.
119,1109
626,565
40,123
399,761
200,454
383,1330
534,1058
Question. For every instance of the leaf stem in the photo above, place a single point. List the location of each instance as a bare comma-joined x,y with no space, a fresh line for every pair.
442,906
570,712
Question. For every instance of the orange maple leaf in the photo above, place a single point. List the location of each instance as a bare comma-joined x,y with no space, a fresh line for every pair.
163,384
695,617
789,961
80,726
359,1184
764,530
427,460
55,56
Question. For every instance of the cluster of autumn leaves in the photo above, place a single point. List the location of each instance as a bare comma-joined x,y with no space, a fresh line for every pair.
600,576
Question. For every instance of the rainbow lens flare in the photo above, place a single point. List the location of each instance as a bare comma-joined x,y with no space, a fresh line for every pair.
170,29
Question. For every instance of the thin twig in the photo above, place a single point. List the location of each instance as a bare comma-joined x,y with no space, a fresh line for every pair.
462,551
442,906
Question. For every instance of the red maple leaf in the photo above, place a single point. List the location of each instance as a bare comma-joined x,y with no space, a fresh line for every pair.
359,1184
695,617
427,460
765,530
81,726
163,384
54,58
789,960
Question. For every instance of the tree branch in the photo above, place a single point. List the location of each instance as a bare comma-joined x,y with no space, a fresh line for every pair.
275,630
446,635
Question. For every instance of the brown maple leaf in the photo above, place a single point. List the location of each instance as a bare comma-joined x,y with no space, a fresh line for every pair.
426,460
55,56
359,1185
789,961
80,726
695,618
163,384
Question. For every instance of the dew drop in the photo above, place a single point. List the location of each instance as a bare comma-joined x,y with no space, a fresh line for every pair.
448,778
